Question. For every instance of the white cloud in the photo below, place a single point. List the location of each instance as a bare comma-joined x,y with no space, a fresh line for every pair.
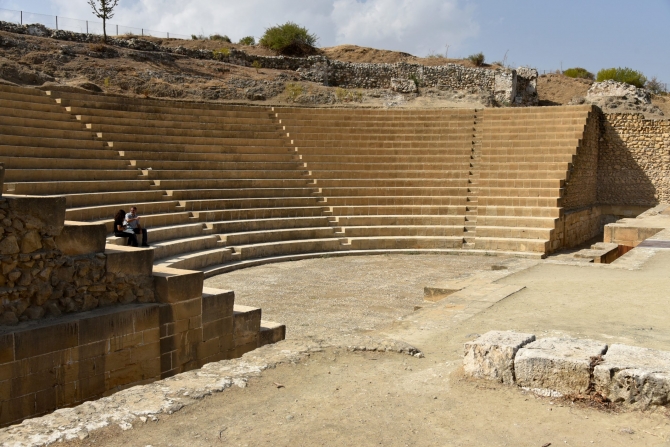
415,26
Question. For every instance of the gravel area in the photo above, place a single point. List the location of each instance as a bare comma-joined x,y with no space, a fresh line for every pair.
329,297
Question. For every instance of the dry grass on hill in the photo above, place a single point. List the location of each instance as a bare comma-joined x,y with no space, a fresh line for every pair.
556,89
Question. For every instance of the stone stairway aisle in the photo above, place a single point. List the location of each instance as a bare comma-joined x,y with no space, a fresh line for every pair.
473,182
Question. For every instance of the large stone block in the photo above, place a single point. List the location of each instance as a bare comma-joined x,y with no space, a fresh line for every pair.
45,213
557,366
82,238
634,376
491,356
130,260
175,285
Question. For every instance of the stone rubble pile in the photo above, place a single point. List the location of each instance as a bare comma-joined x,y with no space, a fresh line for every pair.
556,367
618,89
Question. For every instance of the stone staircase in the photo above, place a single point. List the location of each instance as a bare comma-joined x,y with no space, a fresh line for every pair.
222,187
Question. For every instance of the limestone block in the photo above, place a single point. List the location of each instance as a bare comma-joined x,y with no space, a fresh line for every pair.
130,260
557,366
491,356
634,376
2,177
619,89
45,213
175,285
82,238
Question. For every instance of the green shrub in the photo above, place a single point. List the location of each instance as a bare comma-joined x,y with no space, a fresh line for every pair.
221,53
223,38
477,59
627,75
578,72
257,65
249,40
289,39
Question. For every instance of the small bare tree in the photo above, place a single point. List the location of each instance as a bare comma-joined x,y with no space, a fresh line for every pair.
103,9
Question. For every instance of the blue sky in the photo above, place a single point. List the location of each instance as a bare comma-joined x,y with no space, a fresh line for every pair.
545,34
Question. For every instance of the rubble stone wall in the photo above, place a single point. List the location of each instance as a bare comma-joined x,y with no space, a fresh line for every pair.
38,280
501,84
634,160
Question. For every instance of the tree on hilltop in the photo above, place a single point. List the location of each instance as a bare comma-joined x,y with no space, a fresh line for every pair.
103,9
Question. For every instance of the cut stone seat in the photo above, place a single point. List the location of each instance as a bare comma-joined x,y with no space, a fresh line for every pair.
171,248
361,183
464,151
65,134
492,183
568,144
224,174
516,222
388,158
47,112
51,121
160,137
487,166
374,210
234,193
28,162
485,231
521,174
262,224
54,152
548,125
403,231
394,200
503,135
64,143
486,191
103,116
390,144
180,160
511,244
521,211
406,166
211,166
151,127
529,158
405,242
243,203
71,187
258,213
276,235
199,260
520,201
399,174
203,148
101,211
400,221
386,133
26,98
153,220
50,175
287,247
415,191
89,199
192,183
168,233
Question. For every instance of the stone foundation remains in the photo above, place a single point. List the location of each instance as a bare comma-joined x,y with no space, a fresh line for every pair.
633,376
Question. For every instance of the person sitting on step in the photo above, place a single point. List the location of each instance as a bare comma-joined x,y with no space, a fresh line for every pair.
133,222
121,230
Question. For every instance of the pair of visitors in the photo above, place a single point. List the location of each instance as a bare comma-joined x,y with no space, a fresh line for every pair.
127,225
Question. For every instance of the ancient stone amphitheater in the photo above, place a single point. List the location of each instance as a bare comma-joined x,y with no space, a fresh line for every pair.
223,187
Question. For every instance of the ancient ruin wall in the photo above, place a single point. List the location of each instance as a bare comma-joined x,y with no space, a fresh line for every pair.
634,160
39,278
501,84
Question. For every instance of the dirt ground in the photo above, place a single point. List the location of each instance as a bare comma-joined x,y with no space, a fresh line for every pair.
338,397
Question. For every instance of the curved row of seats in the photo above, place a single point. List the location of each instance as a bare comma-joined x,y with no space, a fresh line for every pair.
222,186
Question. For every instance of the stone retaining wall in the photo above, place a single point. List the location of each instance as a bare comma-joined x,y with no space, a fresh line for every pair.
634,160
38,279
501,84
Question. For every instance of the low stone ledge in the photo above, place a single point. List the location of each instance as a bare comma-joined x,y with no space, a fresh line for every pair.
491,356
81,238
634,376
557,366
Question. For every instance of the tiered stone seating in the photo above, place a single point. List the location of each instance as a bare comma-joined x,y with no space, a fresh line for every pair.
214,184
392,179
222,186
522,167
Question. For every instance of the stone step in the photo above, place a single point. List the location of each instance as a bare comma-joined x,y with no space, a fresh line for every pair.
511,244
403,231
174,247
238,193
405,242
399,210
276,235
98,212
258,213
52,175
286,247
72,187
224,174
245,203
